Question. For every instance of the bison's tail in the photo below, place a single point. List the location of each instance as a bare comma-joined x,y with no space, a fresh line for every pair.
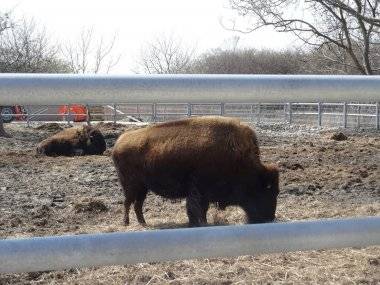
118,167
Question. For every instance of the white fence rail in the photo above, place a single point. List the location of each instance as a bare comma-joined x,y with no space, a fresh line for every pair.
347,115
60,252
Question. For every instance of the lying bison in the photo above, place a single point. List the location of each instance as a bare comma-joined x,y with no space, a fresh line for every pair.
202,159
73,141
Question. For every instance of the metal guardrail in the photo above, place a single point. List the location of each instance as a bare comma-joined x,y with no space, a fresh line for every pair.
45,89
61,252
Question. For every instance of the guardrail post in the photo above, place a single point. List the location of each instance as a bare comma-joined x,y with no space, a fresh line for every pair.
222,110
319,114
377,115
114,113
189,106
345,115
290,118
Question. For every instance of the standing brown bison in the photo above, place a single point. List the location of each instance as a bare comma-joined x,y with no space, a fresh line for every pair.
84,140
202,159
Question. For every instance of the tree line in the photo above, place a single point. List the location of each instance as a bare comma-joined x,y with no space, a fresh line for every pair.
26,47
335,37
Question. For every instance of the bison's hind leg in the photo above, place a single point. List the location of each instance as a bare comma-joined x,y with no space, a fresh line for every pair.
135,194
128,200
138,205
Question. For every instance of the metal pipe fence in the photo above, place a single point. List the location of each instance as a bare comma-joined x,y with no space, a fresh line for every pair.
155,97
344,115
61,252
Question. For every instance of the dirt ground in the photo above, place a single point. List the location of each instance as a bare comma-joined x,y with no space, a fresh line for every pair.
320,178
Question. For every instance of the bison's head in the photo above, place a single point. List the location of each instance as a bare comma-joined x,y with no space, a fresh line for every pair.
262,207
95,142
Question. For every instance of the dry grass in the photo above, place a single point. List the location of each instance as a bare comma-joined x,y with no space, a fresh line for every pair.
50,196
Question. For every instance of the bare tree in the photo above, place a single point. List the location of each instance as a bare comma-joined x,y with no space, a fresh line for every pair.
165,55
90,55
26,48
4,25
248,61
349,29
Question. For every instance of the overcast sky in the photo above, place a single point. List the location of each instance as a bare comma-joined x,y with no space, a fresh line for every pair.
196,22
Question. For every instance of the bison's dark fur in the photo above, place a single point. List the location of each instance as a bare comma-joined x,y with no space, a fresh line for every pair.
202,159
84,140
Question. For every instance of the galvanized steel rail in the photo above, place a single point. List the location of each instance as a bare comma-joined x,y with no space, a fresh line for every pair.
45,89
60,252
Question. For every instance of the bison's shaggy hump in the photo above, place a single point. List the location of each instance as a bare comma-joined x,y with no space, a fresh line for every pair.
202,159
83,140
210,136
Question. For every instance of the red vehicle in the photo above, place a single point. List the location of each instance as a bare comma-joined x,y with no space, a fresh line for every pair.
10,113
78,113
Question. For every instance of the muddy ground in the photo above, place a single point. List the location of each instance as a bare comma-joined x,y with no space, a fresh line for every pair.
320,178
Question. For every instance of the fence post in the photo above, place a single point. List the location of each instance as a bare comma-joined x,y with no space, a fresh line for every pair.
27,118
345,115
319,114
290,118
377,116
252,113
189,109
68,114
114,113
88,115
154,112
222,109
259,113
358,117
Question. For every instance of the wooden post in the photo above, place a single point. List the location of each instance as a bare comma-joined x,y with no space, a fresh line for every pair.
189,106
